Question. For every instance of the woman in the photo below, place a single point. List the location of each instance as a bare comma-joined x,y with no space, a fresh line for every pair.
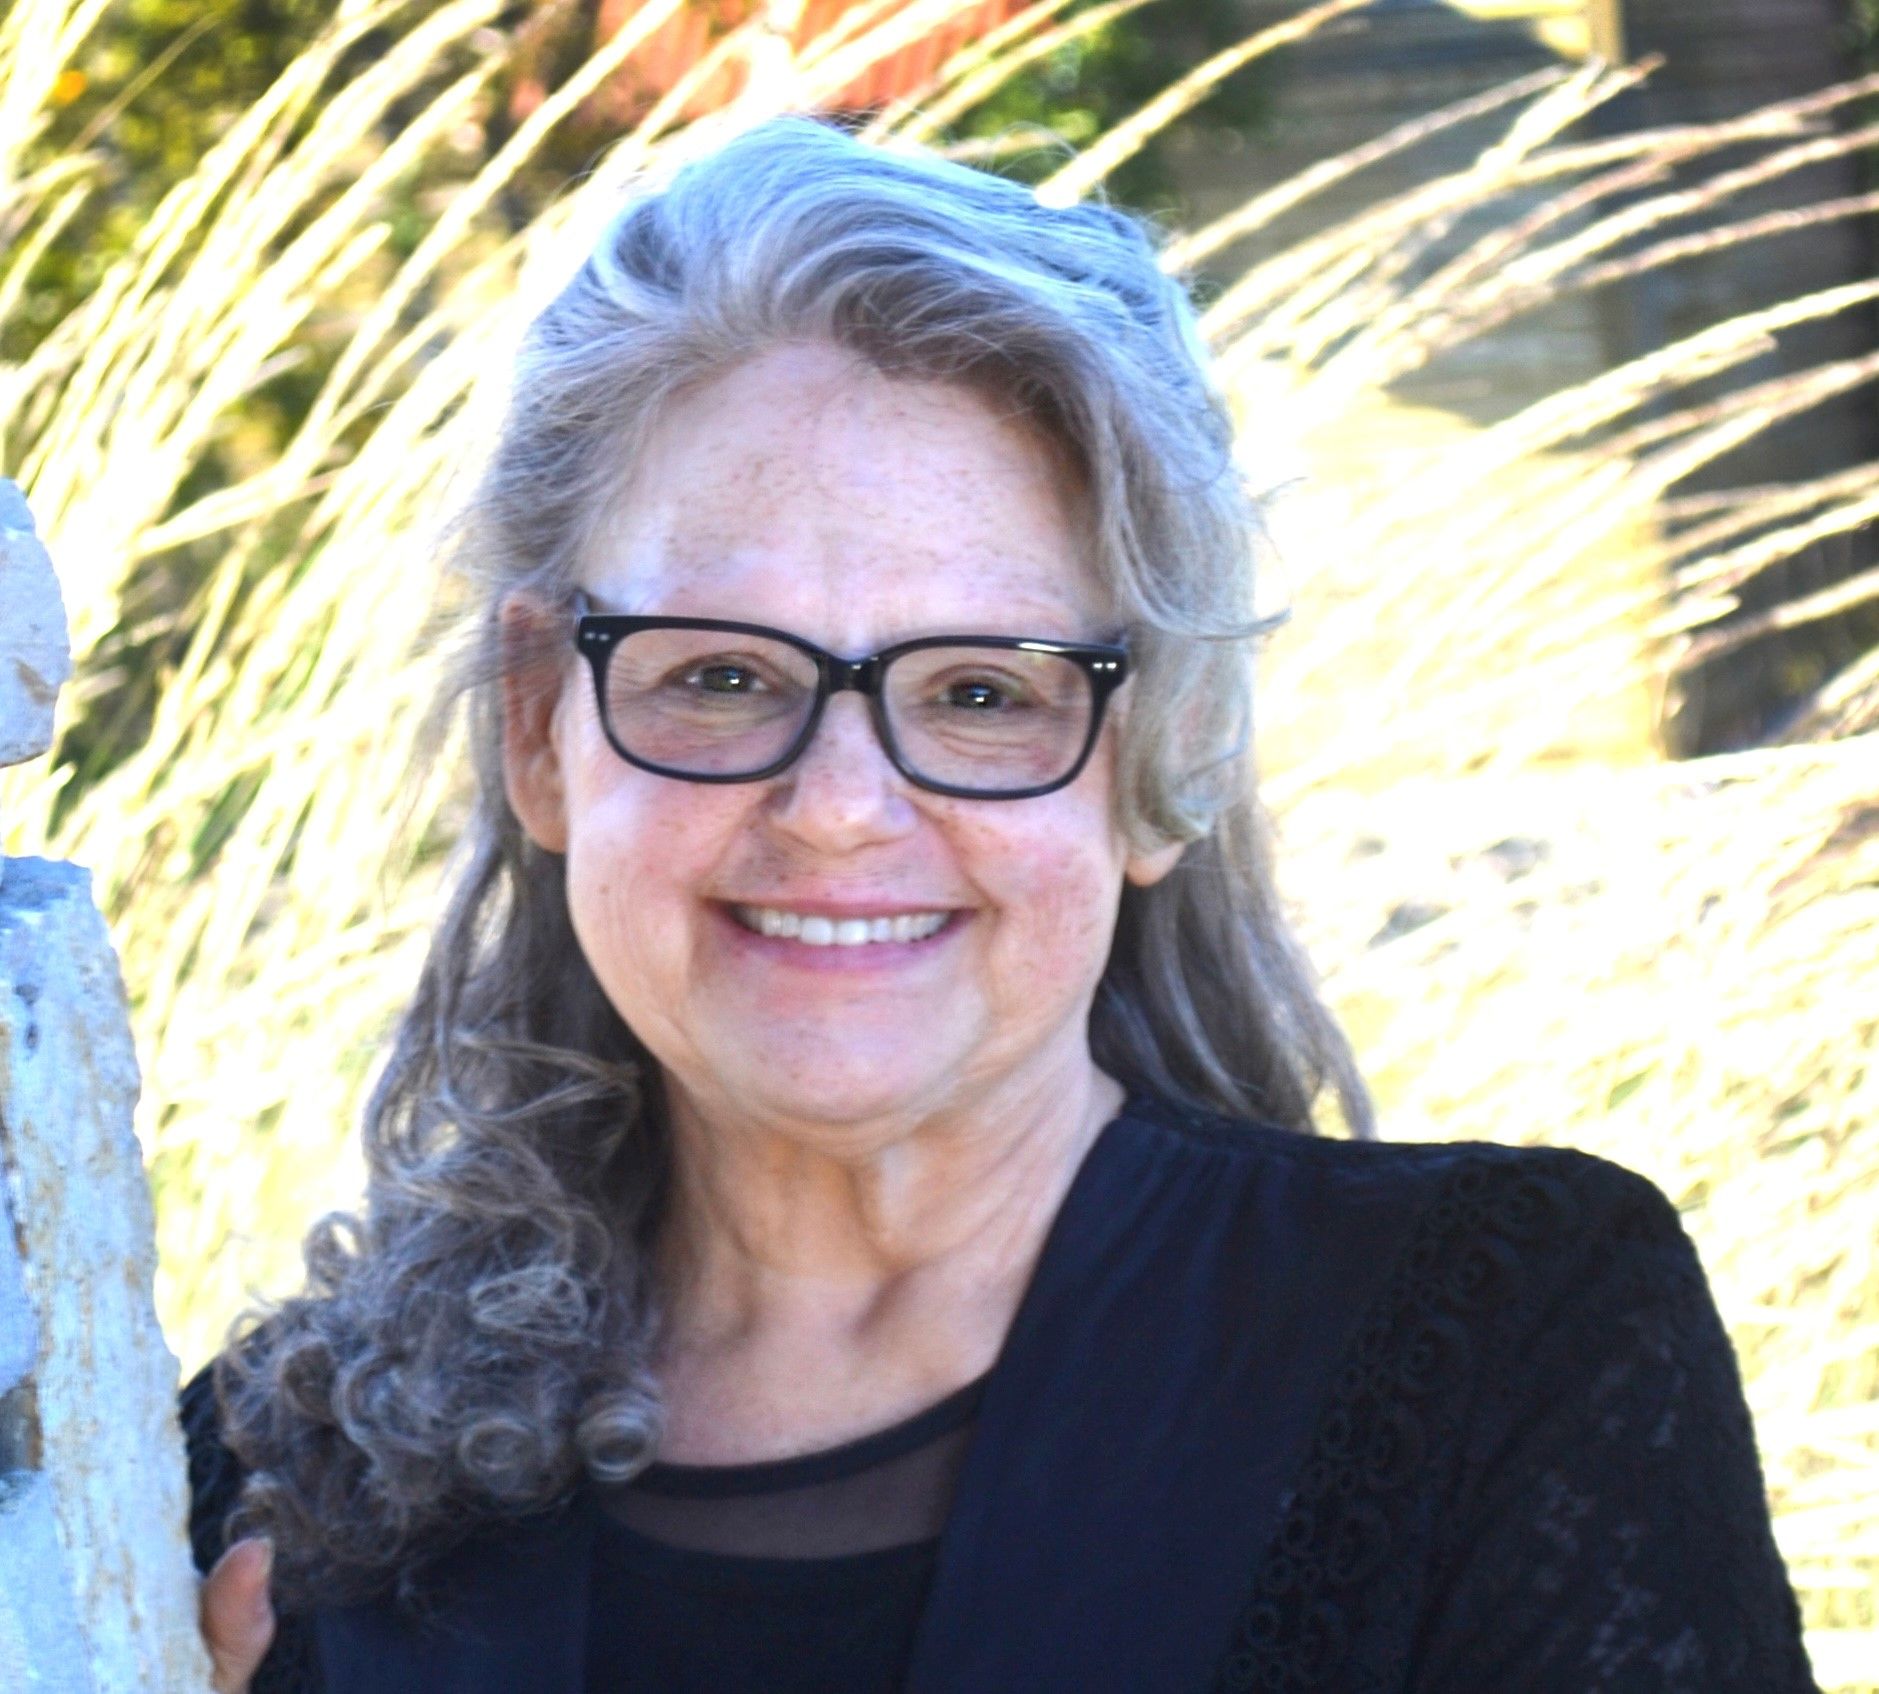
840,1210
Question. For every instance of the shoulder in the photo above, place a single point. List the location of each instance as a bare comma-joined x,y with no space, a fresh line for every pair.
1533,1391
1444,1191
1490,1254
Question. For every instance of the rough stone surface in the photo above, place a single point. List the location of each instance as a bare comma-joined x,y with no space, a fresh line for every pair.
97,1592
19,1332
35,657
37,1622
103,1390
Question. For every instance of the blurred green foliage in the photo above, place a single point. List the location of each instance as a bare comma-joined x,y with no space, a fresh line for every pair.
1864,15
1086,88
160,80
148,93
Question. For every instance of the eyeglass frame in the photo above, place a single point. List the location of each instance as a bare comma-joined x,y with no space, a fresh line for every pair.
1105,666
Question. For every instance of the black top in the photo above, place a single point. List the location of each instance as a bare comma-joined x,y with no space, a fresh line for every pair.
1275,1413
796,1576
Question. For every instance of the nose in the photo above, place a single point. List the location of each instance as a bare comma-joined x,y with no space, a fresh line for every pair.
843,791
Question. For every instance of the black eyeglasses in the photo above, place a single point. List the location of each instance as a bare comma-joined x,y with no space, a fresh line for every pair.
982,717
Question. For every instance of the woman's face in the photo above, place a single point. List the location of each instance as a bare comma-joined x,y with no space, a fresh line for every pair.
805,491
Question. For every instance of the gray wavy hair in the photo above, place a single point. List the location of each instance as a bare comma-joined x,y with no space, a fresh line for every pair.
476,1340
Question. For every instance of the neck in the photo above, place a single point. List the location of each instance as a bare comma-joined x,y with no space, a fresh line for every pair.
906,1244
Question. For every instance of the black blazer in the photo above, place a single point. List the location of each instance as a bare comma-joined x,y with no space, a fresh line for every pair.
1275,1413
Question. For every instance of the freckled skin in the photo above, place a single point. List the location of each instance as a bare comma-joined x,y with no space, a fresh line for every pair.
807,492
925,1111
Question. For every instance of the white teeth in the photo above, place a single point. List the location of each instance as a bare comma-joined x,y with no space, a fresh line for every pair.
817,931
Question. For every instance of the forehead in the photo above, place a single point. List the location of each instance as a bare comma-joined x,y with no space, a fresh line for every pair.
806,489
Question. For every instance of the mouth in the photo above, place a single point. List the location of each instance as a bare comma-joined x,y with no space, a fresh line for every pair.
817,929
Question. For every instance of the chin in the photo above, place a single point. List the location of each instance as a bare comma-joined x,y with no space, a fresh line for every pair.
852,1090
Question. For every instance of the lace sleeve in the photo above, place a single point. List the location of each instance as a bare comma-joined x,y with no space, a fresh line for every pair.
1611,1533
215,1478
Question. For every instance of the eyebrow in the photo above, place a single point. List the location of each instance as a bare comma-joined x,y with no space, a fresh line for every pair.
1106,633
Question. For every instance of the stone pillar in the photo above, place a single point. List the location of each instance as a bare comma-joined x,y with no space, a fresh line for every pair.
97,1593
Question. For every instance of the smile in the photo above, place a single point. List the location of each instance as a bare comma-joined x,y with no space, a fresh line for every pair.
814,930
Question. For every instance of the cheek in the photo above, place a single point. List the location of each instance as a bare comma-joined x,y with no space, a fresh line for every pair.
608,906
637,848
1057,886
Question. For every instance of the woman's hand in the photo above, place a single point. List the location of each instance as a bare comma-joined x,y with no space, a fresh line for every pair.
237,1616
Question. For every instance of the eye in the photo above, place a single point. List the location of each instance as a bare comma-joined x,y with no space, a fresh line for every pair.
977,696
726,676
984,693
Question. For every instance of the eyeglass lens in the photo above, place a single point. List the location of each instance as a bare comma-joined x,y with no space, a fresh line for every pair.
708,703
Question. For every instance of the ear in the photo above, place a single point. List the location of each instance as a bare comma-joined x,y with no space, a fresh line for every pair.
1147,869
532,683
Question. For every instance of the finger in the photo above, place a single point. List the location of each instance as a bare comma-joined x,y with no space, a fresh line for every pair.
237,1614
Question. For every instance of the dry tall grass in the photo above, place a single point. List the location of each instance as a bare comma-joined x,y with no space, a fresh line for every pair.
1536,932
